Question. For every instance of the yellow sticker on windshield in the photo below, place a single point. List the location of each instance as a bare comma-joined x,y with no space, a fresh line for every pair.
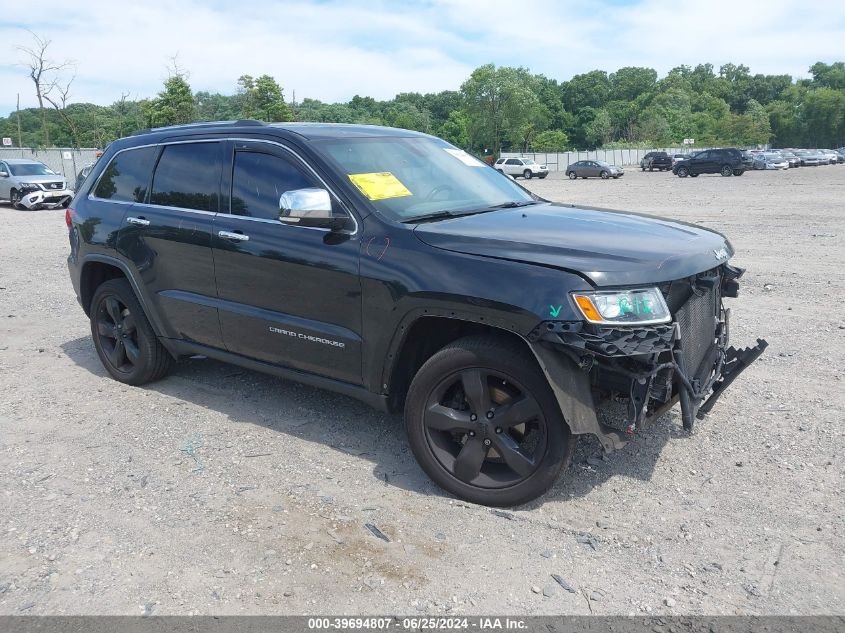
380,186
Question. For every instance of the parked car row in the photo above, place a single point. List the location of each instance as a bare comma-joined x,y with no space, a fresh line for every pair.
790,158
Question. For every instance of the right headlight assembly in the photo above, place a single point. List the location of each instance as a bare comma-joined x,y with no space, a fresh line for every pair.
643,306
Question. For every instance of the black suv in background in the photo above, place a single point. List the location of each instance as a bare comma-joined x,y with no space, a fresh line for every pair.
393,267
728,162
656,160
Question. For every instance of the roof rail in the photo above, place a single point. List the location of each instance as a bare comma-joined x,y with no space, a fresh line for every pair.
187,126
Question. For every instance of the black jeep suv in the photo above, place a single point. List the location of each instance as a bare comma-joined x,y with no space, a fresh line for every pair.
396,268
728,162
656,160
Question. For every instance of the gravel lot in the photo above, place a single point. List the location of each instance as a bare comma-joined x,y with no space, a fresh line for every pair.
223,491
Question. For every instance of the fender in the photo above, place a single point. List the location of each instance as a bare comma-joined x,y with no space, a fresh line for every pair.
400,334
143,298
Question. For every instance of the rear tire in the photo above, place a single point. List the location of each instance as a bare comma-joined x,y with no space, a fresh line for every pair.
496,458
123,337
738,172
726,171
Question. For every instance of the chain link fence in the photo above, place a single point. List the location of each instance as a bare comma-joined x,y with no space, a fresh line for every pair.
622,157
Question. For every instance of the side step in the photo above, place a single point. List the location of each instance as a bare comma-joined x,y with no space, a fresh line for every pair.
736,361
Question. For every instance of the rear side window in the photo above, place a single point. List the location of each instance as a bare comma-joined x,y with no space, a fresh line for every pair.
259,180
188,176
127,176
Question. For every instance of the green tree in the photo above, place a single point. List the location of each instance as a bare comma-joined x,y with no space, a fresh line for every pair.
551,141
263,99
500,102
823,113
173,105
628,83
455,129
600,130
590,90
828,75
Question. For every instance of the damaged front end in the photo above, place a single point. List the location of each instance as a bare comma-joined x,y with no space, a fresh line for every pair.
648,368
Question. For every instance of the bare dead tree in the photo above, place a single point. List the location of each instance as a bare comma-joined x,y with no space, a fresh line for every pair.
57,96
44,74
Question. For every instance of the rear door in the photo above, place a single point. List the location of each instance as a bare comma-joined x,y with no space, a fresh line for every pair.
513,167
168,238
289,295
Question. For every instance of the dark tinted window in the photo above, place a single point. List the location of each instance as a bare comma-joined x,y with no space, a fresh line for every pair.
127,176
188,176
513,161
259,180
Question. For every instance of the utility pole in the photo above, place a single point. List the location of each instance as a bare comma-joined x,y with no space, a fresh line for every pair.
18,112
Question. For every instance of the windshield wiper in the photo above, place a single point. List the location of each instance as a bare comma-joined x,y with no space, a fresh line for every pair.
514,204
442,215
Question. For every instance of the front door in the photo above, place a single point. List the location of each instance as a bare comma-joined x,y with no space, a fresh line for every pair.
288,295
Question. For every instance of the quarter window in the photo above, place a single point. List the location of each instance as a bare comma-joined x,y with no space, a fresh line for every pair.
188,176
127,176
259,180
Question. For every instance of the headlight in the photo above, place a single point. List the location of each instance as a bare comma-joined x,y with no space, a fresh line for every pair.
623,307
29,186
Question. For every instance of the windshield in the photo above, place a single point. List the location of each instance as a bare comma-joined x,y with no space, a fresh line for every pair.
31,169
528,161
411,177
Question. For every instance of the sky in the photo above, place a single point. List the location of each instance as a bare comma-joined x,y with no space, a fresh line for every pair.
332,50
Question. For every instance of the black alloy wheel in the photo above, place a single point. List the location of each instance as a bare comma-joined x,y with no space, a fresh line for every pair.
123,337
682,172
726,170
484,429
573,176
484,425
117,334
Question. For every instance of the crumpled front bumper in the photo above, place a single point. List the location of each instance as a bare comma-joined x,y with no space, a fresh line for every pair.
49,199
650,368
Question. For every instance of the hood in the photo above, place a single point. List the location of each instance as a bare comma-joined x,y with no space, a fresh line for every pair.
40,179
609,248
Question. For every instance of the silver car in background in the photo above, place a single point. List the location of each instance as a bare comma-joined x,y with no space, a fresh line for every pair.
29,184
770,160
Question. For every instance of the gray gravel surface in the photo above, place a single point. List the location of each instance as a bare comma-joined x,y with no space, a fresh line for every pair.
223,491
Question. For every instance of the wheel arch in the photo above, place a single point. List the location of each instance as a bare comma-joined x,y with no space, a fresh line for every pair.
421,336
97,269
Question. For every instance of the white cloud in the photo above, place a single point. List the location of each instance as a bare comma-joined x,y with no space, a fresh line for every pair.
333,50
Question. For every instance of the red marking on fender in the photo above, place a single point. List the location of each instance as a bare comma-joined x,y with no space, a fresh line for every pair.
384,250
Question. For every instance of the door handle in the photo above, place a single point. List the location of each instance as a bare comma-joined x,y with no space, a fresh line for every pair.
138,221
229,235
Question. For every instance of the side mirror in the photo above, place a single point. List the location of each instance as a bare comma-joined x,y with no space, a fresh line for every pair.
310,207
4,174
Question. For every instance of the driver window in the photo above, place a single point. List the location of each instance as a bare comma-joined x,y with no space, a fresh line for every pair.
259,180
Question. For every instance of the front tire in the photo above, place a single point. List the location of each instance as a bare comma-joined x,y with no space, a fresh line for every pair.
484,424
573,176
604,175
726,171
527,174
15,199
682,172
123,337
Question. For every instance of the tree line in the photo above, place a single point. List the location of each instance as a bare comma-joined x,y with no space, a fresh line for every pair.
495,109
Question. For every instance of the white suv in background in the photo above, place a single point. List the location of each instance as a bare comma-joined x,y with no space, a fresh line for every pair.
525,167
